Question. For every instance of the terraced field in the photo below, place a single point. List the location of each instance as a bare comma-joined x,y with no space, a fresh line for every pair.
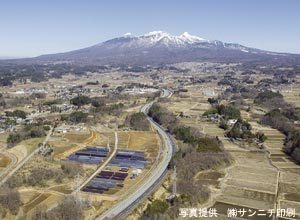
288,172
291,94
258,179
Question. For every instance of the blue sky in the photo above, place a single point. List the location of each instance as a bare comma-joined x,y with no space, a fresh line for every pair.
34,27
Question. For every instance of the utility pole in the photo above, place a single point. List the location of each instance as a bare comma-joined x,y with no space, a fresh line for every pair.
174,182
174,186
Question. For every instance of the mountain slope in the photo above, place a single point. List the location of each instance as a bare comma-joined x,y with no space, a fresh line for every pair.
159,47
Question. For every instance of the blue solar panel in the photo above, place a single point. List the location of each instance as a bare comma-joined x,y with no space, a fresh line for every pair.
89,155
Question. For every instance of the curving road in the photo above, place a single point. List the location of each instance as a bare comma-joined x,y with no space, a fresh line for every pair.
28,157
124,206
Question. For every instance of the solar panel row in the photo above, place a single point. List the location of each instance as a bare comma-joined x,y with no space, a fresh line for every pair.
130,158
90,155
104,181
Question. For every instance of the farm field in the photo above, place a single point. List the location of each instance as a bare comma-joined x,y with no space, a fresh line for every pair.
291,94
141,141
244,182
288,171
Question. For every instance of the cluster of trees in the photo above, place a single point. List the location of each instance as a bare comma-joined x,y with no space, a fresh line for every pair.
100,104
2,101
9,200
189,162
155,209
270,99
36,73
113,109
53,102
189,135
16,113
38,95
282,119
195,138
93,83
137,121
29,131
190,191
75,117
81,100
38,176
228,111
7,81
68,209
13,102
197,152
163,116
241,130
71,169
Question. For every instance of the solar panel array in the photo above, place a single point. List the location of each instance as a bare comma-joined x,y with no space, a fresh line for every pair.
104,181
129,159
90,155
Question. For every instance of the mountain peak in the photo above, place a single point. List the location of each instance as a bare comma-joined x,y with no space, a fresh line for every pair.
156,33
191,38
128,34
167,39
160,47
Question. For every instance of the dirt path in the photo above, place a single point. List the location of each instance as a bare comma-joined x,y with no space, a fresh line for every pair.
101,167
27,158
13,162
89,140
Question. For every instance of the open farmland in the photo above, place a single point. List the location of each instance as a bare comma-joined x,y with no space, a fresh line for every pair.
140,140
244,183
291,94
288,172
79,137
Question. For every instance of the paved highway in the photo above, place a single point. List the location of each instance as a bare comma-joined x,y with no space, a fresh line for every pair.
143,190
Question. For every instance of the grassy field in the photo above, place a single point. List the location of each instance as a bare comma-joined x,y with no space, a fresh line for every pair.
26,147
60,148
35,201
77,137
3,138
291,94
124,138
4,161
105,138
144,141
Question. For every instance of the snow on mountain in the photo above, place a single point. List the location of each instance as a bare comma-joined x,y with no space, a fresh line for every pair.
159,47
186,37
153,39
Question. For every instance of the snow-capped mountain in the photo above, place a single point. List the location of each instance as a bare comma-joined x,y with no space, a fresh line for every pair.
154,38
159,47
164,39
